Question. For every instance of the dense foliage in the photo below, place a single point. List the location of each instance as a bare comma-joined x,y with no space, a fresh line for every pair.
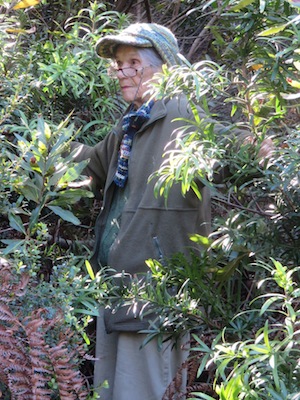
238,292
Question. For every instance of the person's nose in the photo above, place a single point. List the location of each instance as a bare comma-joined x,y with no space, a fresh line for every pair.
120,73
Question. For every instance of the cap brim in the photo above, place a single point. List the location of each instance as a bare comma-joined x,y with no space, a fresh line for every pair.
105,46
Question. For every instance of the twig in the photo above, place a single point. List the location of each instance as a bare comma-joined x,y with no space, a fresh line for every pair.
240,207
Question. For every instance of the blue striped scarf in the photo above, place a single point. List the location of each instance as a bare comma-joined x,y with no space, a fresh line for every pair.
132,122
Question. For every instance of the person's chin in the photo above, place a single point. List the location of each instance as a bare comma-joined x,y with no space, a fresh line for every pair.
129,94
127,97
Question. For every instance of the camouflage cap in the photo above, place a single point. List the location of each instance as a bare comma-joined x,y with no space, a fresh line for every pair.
145,35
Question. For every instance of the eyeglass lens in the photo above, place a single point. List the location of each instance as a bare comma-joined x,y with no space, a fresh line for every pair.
128,72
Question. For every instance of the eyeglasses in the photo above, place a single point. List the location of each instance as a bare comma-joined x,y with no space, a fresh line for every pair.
128,72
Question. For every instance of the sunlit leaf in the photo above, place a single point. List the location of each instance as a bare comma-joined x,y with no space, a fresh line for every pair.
25,4
203,240
293,83
255,67
241,4
89,269
273,30
267,304
73,172
19,30
290,96
86,338
279,28
297,65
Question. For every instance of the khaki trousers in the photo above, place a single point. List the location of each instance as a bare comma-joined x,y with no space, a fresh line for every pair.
134,372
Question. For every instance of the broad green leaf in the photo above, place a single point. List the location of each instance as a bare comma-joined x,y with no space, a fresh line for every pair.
73,172
16,223
57,175
65,214
30,192
12,245
70,196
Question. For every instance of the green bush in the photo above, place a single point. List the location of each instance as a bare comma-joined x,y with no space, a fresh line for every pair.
266,365
57,72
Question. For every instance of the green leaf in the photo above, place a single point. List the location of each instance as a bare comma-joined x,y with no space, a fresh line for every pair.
70,196
203,364
267,304
65,214
73,172
12,245
241,4
260,349
228,270
86,338
266,335
16,223
203,240
272,31
26,4
91,308
35,216
30,191
89,269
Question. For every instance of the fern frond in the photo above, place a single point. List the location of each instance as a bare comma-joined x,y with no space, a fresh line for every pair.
28,363
70,382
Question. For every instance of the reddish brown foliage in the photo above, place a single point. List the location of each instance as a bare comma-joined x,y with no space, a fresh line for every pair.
28,361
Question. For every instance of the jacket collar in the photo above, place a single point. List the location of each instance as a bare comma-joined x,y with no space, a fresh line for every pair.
158,111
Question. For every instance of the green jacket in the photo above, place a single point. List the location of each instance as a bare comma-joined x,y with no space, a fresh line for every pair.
150,227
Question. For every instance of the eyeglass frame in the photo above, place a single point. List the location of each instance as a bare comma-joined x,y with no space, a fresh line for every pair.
113,72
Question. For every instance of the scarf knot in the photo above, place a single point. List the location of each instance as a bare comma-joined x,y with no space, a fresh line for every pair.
131,123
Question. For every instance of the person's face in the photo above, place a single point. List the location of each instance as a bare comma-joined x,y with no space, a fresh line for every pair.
133,88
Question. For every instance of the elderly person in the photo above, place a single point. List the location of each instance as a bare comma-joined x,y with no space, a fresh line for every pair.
134,225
